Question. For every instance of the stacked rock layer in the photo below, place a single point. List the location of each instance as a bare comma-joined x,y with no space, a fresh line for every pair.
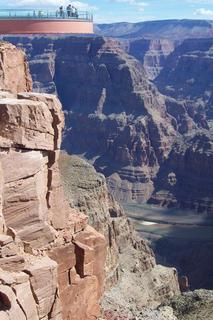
51,261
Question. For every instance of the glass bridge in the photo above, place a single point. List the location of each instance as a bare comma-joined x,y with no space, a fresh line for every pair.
44,14
42,21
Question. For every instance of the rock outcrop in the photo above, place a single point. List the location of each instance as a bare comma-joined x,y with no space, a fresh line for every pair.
14,71
134,281
51,260
86,190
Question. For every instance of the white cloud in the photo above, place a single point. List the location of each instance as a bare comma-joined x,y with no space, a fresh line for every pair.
204,12
46,4
139,4
200,1
82,5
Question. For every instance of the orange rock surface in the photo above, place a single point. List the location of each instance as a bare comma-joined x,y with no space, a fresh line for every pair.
51,261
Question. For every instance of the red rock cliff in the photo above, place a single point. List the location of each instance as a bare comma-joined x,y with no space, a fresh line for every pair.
51,261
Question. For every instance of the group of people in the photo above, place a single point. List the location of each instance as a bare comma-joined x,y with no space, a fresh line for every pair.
70,11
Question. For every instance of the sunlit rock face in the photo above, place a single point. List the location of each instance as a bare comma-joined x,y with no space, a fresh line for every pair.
50,258
14,71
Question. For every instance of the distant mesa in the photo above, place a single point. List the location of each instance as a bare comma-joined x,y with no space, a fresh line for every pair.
172,29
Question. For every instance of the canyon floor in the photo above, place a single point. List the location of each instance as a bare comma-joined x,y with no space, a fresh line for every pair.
171,223
178,237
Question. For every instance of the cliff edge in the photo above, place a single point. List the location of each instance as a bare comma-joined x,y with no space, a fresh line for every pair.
52,263
51,260
133,279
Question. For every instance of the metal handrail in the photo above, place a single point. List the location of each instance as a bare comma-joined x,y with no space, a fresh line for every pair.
44,14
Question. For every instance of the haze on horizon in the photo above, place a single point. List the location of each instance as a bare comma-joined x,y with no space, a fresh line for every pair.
108,11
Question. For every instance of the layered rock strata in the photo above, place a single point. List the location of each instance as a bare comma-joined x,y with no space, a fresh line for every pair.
51,260
122,122
187,77
185,178
183,172
114,116
152,54
185,53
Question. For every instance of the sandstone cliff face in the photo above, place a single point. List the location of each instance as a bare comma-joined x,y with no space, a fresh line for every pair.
14,73
41,55
133,278
51,261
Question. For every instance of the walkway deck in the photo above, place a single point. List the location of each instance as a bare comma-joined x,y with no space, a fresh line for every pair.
38,21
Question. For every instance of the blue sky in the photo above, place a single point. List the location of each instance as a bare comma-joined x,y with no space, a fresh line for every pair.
128,10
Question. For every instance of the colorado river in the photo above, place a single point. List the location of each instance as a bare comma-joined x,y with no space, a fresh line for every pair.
174,223
179,238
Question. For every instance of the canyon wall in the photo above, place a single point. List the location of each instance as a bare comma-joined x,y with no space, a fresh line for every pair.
187,82
114,112
187,168
51,260
120,121
152,53
187,77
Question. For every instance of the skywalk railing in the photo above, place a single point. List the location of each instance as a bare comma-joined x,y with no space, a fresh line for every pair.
22,14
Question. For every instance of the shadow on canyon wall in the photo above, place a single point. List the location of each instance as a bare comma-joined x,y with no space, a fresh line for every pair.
132,125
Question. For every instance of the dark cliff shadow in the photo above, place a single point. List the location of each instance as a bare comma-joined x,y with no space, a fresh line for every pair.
192,258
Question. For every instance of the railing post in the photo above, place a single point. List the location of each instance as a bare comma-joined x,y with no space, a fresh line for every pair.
46,14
